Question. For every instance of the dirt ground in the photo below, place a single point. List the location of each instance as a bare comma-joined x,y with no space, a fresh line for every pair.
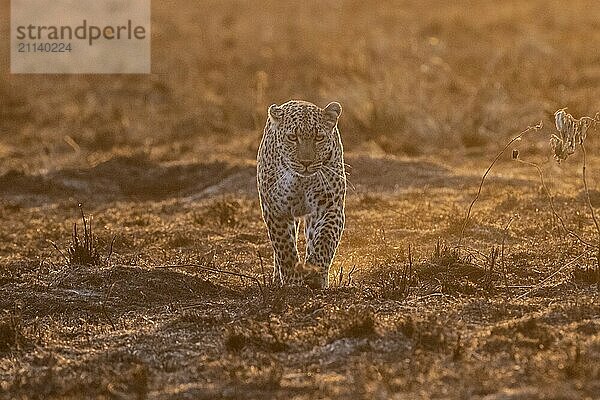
164,169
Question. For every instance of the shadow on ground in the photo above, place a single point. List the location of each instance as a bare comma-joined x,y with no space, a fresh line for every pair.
138,178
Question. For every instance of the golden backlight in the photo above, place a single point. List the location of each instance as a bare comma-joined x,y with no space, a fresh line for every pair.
134,262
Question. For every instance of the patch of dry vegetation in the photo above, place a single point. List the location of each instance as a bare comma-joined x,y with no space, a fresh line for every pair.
165,163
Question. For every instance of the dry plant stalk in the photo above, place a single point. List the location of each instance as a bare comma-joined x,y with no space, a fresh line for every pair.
571,132
206,264
535,128
83,251
502,247
555,213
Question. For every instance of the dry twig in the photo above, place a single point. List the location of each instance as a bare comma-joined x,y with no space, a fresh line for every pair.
551,201
552,275
216,271
516,138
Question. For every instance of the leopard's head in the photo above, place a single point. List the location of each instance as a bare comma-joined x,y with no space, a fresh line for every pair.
306,134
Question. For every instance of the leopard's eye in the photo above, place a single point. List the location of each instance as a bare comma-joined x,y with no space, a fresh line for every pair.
320,137
293,137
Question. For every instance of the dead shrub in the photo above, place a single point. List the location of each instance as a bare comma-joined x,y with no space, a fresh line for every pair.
84,250
457,272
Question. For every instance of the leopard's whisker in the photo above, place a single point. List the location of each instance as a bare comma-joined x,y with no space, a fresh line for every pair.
321,182
327,168
281,177
324,178
347,179
325,182
339,163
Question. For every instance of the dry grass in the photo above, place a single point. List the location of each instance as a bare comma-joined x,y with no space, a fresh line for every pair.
431,92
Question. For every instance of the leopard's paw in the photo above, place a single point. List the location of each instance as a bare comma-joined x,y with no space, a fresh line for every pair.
314,276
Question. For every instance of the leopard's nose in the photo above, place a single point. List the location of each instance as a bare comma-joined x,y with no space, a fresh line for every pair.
306,163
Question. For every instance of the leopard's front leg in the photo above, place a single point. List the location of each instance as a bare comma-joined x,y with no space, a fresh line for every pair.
283,233
323,232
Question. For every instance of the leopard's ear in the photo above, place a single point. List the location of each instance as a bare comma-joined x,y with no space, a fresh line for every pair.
275,113
332,112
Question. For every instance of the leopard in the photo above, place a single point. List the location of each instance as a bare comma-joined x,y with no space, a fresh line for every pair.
301,180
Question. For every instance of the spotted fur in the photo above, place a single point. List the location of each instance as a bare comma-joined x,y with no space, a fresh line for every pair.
301,178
